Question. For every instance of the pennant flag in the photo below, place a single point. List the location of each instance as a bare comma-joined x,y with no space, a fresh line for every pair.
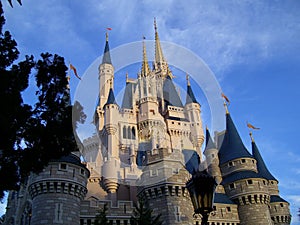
75,71
144,37
252,127
225,97
108,28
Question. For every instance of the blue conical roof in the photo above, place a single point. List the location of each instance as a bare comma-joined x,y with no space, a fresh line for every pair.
190,97
261,166
106,55
209,141
111,98
232,146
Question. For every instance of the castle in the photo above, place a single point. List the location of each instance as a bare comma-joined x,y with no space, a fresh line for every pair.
148,147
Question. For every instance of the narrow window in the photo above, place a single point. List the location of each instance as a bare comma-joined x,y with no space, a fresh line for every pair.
249,181
133,132
124,132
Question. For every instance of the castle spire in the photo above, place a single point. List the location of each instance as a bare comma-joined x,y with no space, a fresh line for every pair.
159,58
106,55
261,166
111,98
190,97
145,66
232,146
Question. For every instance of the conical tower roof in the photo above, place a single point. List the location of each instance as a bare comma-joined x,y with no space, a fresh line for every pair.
106,55
209,144
111,98
232,146
190,97
261,166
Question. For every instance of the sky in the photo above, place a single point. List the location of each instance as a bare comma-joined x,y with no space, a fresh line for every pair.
251,47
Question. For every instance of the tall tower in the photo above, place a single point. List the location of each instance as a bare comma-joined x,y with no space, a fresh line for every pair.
106,81
193,111
162,116
241,179
57,192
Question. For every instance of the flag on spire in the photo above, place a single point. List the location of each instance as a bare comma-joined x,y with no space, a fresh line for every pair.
225,97
252,127
108,28
75,71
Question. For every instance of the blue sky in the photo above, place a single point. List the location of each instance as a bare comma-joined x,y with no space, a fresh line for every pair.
252,47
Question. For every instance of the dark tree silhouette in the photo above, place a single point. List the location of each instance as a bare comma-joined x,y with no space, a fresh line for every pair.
30,136
143,215
101,218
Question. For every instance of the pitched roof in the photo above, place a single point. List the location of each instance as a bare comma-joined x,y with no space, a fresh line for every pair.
190,97
261,166
127,102
170,93
222,198
276,198
232,146
209,144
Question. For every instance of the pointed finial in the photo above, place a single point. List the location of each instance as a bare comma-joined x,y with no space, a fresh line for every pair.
188,80
226,108
126,77
251,136
155,27
206,127
106,36
145,66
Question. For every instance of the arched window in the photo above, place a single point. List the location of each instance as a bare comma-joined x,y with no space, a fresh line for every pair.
133,133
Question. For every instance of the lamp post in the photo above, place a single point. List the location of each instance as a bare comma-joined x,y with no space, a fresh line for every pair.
201,188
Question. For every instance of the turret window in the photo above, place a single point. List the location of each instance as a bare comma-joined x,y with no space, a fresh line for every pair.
63,166
128,132
249,181
243,160
231,186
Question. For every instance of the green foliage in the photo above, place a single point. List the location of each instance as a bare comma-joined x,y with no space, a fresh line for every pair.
31,136
142,215
101,218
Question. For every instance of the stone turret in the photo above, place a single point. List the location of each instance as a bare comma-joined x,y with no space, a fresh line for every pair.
193,111
241,179
57,192
279,208
111,165
106,81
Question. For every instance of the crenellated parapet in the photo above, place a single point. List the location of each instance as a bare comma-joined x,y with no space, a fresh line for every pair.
279,210
56,192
